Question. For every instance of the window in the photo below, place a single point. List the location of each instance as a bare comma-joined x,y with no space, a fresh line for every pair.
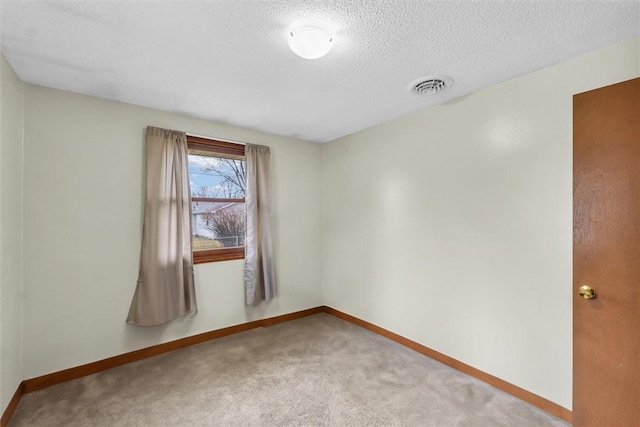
217,178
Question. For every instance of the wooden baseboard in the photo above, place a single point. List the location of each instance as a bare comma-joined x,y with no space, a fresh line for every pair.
538,401
33,384
11,407
43,381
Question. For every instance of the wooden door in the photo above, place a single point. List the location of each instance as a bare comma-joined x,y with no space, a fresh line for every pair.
606,256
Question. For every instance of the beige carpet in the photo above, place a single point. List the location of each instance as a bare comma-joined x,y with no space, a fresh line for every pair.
318,370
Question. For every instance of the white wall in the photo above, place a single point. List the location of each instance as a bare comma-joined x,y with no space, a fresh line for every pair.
83,171
10,232
453,226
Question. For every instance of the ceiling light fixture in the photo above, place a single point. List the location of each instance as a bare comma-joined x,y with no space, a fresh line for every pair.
309,42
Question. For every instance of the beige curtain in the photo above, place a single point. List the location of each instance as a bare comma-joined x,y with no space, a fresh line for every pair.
165,289
259,272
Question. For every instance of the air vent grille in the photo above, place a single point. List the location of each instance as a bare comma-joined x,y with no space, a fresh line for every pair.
430,85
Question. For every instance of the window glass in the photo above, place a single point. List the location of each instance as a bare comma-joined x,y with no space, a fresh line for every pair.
218,223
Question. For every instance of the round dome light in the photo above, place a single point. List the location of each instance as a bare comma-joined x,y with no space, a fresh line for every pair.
309,42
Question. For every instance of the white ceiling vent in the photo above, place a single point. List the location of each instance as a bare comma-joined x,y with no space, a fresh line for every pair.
430,85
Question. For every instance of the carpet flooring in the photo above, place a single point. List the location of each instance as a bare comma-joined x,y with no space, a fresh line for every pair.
315,371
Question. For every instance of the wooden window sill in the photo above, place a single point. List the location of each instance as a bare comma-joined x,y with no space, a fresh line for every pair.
214,255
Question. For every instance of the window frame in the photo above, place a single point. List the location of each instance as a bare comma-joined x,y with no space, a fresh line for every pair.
215,146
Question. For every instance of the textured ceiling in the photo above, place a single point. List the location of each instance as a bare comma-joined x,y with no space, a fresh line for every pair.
229,60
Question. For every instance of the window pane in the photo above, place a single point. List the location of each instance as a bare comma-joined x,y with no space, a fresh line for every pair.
221,177
217,225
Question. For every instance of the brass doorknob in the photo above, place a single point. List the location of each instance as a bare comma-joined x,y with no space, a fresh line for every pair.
586,292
